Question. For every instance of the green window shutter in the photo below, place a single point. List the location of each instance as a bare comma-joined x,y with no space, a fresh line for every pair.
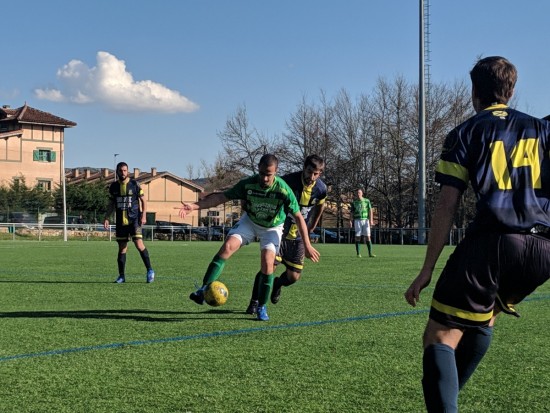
52,156
35,155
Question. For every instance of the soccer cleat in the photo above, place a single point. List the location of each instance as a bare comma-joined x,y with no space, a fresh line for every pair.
276,293
372,255
120,279
252,307
197,296
150,275
262,313
358,255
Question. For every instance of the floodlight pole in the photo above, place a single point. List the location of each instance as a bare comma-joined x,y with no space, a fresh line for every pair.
63,185
421,136
114,169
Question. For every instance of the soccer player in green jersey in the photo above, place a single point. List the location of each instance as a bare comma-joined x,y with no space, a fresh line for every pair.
361,221
267,201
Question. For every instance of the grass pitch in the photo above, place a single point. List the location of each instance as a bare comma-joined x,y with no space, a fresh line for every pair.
340,340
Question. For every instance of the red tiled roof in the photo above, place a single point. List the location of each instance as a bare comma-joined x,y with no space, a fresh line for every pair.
26,114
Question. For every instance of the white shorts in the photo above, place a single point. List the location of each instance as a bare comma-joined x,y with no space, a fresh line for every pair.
362,227
247,231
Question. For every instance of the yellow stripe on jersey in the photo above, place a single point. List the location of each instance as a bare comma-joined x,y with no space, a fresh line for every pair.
123,192
457,312
452,169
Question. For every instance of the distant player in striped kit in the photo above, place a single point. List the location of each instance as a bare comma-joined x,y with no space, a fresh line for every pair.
505,256
361,222
128,201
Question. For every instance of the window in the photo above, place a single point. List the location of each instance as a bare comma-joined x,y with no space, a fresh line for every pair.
43,155
44,185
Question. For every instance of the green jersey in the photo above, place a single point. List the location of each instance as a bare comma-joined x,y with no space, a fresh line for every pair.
360,208
266,207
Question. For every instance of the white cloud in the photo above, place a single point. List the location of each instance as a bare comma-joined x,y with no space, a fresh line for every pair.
111,84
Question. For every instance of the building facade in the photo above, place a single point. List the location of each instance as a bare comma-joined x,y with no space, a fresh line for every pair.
32,144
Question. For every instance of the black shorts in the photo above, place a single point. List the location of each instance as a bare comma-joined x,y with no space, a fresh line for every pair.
291,254
484,265
126,232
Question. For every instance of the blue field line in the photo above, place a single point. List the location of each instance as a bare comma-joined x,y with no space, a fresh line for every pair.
209,335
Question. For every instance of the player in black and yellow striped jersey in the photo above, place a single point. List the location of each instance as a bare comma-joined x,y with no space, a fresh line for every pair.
128,202
311,193
505,256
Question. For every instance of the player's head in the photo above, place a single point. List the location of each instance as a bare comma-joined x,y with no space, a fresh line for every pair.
359,193
122,171
547,117
313,168
493,81
267,169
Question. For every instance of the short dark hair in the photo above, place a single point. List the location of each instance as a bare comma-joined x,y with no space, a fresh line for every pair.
547,117
120,164
494,79
268,159
314,160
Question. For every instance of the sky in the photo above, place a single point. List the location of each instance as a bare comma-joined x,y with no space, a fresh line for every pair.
155,81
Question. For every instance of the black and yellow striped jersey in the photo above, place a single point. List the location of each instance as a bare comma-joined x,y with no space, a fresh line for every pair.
504,153
308,197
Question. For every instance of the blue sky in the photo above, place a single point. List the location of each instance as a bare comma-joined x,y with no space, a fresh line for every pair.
155,81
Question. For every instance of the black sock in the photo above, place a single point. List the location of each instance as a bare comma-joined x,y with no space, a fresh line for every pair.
145,257
440,379
284,280
121,261
469,352
256,288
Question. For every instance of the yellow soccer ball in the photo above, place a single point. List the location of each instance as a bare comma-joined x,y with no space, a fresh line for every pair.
216,294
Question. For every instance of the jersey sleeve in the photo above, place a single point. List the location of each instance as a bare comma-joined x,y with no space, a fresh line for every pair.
452,166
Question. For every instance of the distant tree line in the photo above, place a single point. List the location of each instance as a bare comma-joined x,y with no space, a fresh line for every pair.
370,142
87,199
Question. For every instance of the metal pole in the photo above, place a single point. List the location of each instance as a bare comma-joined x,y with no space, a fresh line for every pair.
114,169
421,136
64,186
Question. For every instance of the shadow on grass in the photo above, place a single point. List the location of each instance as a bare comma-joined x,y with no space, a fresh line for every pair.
135,315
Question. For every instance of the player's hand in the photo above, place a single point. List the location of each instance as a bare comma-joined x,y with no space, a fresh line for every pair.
412,295
184,209
312,254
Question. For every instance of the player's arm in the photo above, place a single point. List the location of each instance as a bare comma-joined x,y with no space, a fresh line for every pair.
110,209
209,201
143,209
447,204
310,252
315,216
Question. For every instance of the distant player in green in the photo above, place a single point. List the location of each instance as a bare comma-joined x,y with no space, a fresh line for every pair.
128,202
267,201
361,221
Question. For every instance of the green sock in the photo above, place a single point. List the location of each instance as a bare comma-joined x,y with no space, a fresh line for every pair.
214,270
369,247
266,284
358,248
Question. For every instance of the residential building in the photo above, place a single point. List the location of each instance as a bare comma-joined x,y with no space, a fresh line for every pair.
32,144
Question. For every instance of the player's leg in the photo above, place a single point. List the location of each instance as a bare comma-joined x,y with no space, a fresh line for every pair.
266,282
293,254
270,240
137,237
253,305
232,243
470,351
121,260
440,376
358,235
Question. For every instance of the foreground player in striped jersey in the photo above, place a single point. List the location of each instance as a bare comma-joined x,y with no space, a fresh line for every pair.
505,255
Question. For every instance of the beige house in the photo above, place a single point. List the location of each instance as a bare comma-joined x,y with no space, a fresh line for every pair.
163,191
31,146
